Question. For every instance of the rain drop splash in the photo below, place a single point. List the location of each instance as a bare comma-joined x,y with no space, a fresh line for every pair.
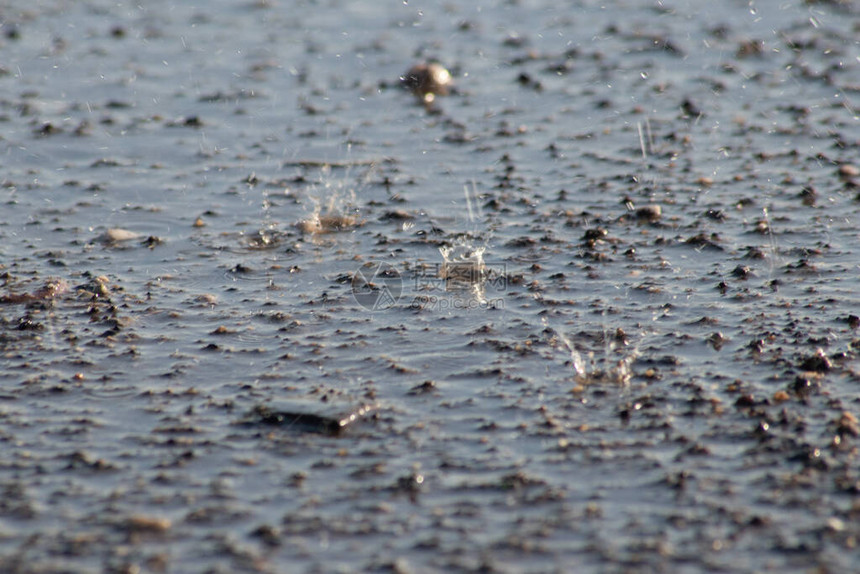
333,207
601,369
462,265
579,368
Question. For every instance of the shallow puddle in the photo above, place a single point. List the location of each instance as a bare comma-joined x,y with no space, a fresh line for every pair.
600,290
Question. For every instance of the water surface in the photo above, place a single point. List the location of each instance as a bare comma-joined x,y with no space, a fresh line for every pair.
655,371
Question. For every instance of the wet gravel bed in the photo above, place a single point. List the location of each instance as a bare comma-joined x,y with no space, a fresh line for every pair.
588,306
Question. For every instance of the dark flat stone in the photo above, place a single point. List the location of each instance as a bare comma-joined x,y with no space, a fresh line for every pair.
306,416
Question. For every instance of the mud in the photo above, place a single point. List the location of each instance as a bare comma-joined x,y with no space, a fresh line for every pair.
601,293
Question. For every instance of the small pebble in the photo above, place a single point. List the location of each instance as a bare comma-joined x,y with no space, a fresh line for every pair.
116,235
141,524
650,213
848,171
427,80
817,363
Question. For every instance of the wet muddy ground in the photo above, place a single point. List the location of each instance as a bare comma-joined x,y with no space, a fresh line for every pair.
594,309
